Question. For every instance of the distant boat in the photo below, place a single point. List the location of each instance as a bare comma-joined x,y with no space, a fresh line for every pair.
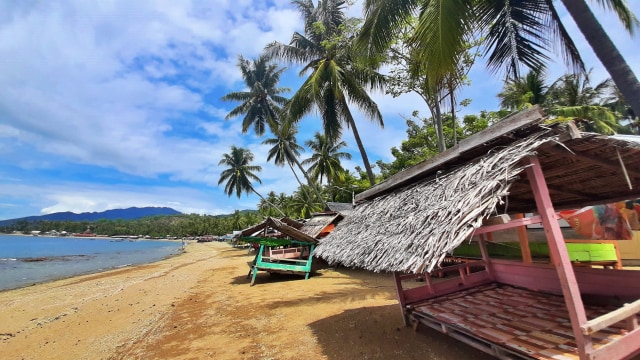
84,234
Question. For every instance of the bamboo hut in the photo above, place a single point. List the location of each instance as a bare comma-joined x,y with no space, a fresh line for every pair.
286,245
524,309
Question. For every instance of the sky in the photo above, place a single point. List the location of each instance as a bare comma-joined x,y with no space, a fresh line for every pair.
114,104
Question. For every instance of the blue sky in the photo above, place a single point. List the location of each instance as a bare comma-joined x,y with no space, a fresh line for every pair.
112,104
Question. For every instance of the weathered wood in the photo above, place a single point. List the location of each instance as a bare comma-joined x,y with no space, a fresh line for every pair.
523,238
559,255
601,322
514,223
400,294
448,286
622,348
269,264
485,256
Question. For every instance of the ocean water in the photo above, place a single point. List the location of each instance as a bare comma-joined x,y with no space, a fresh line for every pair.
27,260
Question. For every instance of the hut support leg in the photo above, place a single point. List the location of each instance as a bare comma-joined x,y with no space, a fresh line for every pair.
560,256
524,241
400,294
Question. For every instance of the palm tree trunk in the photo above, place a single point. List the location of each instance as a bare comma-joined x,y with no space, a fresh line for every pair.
309,181
439,131
365,159
606,51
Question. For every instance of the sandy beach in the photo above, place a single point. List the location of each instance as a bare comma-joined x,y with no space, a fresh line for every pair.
199,305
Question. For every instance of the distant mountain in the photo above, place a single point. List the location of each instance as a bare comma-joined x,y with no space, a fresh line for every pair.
124,214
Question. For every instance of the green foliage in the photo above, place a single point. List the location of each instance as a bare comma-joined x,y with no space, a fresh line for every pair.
335,81
153,226
570,97
421,143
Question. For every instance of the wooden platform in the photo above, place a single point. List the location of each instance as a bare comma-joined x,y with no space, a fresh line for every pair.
510,322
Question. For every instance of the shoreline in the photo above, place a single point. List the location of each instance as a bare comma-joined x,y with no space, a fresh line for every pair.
69,265
200,305
91,272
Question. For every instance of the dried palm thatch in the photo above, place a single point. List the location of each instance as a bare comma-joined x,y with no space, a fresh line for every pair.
281,226
412,230
318,222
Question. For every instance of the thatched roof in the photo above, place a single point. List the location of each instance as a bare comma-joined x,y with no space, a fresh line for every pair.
279,225
342,208
318,221
411,221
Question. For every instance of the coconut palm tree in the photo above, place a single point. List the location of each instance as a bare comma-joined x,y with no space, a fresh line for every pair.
240,173
286,150
335,81
303,204
325,160
517,33
519,93
572,96
261,104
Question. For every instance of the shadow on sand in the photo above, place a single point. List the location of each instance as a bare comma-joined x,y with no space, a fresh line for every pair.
378,333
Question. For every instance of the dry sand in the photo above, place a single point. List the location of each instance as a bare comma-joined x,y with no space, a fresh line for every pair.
199,305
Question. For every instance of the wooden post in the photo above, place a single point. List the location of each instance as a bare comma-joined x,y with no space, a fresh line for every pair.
559,255
485,256
524,241
401,300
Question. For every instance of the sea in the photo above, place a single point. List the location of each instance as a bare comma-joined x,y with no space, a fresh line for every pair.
28,260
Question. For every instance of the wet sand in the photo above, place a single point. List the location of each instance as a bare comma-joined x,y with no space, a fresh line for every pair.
199,305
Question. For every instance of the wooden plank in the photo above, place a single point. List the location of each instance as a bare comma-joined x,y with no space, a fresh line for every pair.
523,238
611,318
558,252
510,225
445,287
507,125
400,294
620,349
485,256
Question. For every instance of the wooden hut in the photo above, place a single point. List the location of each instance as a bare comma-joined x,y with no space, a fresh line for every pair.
512,309
290,247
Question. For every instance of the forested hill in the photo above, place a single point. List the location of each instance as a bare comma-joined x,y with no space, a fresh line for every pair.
115,214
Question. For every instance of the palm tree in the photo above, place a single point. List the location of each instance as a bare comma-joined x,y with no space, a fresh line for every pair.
260,105
240,173
325,160
268,205
517,33
335,80
286,150
572,96
519,93
604,48
303,204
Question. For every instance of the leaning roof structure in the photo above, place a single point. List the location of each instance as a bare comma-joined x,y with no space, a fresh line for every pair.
282,226
318,222
410,222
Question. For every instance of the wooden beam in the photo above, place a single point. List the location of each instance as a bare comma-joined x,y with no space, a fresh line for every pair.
590,158
485,256
622,348
510,225
559,255
400,293
523,238
606,320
